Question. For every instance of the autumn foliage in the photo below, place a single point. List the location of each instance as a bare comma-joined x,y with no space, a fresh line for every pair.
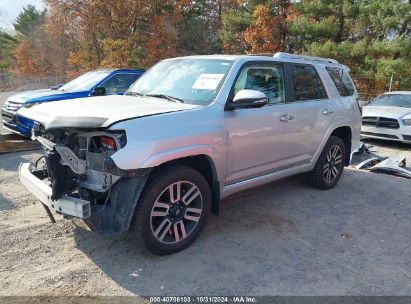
264,34
26,59
73,36
162,42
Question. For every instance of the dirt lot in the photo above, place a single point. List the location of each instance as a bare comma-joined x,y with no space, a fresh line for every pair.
281,239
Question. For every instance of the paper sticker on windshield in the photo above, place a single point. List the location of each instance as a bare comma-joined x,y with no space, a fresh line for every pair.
207,81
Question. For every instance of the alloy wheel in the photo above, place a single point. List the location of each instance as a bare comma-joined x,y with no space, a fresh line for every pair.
333,164
176,212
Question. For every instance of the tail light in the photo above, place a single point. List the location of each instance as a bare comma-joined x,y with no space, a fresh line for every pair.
108,143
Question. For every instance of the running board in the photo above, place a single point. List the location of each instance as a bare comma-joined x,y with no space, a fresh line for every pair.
264,179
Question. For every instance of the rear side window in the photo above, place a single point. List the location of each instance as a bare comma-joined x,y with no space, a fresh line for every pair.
341,80
307,85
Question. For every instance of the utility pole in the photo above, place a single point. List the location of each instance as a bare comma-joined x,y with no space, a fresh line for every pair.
392,74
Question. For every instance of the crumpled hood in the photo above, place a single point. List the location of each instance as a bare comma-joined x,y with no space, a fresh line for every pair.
389,112
26,96
96,112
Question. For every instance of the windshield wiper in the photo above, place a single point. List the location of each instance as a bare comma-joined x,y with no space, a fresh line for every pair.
168,97
134,94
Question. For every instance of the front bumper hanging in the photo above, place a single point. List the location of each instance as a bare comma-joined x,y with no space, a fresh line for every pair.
66,204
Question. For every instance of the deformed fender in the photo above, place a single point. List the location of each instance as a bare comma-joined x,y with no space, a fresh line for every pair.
116,215
176,153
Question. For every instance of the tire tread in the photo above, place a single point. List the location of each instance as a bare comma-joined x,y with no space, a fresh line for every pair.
315,177
152,188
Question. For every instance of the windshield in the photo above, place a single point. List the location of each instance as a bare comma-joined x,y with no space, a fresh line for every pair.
85,82
393,100
194,81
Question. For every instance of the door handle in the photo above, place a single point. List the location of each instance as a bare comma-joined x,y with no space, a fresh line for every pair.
286,117
327,112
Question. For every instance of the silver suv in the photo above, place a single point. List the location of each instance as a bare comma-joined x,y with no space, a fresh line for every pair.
189,132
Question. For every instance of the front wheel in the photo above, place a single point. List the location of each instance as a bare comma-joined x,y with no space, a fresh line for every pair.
330,165
172,210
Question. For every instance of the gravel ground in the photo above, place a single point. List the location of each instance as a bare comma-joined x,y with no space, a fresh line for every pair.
285,238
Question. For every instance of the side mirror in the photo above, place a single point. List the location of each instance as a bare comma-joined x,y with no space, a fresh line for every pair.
248,99
56,87
99,91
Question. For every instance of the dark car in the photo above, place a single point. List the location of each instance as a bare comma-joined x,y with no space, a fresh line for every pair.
95,83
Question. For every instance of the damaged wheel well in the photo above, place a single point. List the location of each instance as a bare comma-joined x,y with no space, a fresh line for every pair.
204,165
345,134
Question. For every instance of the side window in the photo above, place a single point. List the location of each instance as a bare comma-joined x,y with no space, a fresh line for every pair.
119,83
307,85
266,78
341,80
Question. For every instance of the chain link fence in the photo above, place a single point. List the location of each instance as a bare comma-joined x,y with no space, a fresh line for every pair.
12,82
368,89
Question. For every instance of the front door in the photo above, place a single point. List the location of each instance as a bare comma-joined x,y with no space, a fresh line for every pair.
259,139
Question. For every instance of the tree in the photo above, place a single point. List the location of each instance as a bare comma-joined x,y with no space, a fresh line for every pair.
25,59
235,21
7,45
267,32
162,27
201,21
35,50
321,21
383,19
372,37
116,33
28,19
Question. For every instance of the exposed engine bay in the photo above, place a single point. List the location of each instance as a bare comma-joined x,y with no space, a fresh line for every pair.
77,163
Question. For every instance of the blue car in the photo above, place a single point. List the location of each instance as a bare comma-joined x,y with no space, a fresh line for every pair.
95,83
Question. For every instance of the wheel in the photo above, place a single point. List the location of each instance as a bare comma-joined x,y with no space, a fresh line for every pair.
172,210
330,165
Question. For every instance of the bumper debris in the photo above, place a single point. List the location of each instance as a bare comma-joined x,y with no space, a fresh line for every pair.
393,165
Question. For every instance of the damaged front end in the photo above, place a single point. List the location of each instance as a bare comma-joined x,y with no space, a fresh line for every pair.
77,177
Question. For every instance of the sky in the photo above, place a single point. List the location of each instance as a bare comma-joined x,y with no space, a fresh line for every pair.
10,9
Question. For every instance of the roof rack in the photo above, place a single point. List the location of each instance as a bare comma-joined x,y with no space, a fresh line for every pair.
261,54
283,55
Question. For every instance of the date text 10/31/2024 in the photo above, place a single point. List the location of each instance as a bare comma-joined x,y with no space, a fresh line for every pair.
203,299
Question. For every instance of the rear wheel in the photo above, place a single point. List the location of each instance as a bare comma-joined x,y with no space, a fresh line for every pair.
173,209
330,165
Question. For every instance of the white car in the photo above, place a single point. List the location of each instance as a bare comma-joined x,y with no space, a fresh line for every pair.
388,117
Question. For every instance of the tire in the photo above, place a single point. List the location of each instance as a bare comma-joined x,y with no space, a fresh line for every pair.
332,156
172,210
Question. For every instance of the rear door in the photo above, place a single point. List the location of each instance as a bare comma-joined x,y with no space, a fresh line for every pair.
312,109
347,100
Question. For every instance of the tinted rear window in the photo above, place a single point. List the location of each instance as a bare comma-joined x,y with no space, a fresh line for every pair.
342,81
307,85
